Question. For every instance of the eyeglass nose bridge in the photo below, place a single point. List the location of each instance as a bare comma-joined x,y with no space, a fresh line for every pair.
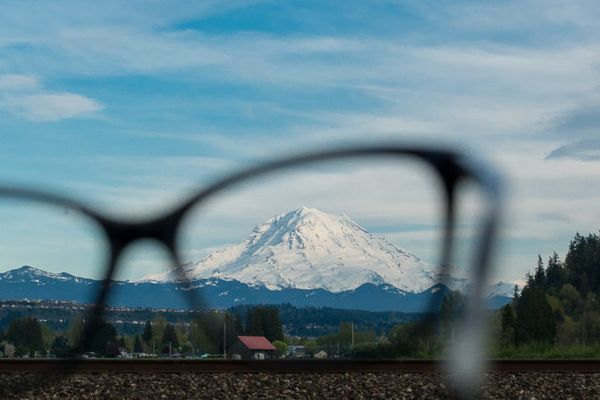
123,234
161,231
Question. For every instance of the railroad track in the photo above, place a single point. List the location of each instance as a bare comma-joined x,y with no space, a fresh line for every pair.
281,366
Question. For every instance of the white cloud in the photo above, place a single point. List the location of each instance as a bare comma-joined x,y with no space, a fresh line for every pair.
23,96
51,106
18,82
496,89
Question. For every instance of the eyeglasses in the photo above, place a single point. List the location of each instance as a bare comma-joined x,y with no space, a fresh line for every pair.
314,249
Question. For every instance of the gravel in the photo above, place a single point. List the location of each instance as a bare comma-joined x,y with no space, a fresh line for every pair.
292,386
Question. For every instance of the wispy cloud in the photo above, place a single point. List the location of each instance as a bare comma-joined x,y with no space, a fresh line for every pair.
50,106
16,82
24,97
578,130
580,122
585,150
515,81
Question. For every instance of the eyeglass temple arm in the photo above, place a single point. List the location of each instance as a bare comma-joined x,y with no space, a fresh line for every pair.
468,358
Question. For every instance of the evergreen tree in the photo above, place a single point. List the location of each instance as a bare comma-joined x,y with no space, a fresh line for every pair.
236,323
264,321
147,335
112,349
75,331
60,346
26,334
254,322
582,263
137,345
408,339
529,279
234,328
452,305
539,278
203,338
535,319
169,339
508,325
555,273
272,325
158,328
104,339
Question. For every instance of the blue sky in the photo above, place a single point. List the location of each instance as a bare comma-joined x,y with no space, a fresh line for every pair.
129,106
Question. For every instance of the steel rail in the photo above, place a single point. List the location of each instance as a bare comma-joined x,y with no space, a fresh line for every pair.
283,366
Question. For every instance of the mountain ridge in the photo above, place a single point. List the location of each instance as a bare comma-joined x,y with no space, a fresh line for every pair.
309,249
34,284
304,257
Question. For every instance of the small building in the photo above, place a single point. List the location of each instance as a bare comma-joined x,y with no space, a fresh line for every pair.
321,354
252,348
296,351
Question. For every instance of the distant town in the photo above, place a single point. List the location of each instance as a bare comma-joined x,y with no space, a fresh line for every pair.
36,328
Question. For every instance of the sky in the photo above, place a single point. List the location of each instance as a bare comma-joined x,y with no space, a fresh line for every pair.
130,106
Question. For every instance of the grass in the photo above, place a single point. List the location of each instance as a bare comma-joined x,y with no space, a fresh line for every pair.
544,351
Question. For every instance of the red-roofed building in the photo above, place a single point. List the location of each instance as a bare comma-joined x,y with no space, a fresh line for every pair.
252,348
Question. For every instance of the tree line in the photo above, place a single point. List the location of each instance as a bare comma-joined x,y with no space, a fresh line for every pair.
559,306
557,312
208,332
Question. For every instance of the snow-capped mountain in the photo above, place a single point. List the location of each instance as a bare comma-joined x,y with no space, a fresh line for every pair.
310,249
27,283
35,284
304,257
36,275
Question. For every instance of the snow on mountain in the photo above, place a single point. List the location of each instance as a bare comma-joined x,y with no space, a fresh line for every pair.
506,289
309,249
32,274
27,273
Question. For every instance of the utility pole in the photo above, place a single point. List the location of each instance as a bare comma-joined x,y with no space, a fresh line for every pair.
352,334
170,349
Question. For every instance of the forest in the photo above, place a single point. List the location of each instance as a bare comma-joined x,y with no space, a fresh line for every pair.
555,315
204,333
557,312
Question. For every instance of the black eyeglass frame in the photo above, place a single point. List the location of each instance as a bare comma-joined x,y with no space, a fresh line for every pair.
451,167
